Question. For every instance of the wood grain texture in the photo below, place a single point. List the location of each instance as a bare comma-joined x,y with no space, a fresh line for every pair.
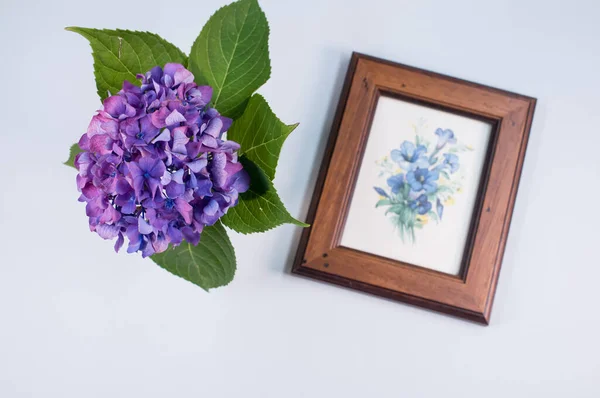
320,256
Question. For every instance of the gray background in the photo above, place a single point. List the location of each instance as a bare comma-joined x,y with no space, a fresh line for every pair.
76,320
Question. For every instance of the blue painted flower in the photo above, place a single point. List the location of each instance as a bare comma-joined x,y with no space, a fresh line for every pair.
396,182
421,204
409,156
444,136
440,208
451,161
381,192
423,179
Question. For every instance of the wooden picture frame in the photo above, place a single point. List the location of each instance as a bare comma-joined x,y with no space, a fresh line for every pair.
470,293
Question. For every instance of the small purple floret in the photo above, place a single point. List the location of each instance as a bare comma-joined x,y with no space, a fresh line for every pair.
154,166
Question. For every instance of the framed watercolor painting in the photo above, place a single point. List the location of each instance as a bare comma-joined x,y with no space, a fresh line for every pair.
417,188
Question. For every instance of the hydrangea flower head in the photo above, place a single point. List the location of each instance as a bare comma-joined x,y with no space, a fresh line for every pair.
155,167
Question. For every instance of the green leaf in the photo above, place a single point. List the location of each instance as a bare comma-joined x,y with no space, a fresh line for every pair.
396,209
444,189
398,224
383,202
460,148
406,190
121,54
409,217
434,216
72,153
260,134
232,55
210,264
260,208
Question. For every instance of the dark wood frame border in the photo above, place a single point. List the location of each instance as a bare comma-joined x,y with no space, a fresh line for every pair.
469,295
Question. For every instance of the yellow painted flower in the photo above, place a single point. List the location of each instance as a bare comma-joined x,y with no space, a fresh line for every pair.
424,219
449,202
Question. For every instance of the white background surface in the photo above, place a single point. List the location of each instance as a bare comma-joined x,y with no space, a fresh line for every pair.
438,246
78,321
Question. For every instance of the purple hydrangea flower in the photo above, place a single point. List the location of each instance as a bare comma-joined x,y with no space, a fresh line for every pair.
155,167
